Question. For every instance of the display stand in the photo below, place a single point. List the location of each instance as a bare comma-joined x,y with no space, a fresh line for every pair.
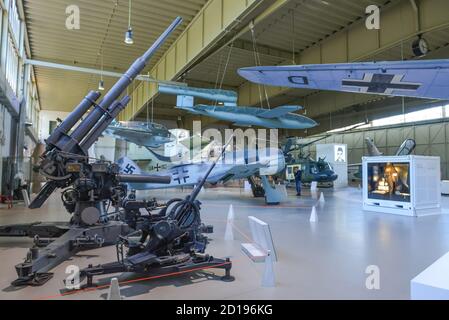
404,185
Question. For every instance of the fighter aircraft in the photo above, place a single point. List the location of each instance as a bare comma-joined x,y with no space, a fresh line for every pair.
180,151
277,118
422,79
234,165
147,134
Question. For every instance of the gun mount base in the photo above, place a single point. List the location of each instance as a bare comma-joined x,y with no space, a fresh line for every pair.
55,242
35,280
39,260
39,229
160,267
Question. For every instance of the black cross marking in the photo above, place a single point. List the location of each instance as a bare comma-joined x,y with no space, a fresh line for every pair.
181,175
157,167
381,83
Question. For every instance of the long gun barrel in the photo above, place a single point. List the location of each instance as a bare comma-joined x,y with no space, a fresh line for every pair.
89,130
134,178
70,142
197,190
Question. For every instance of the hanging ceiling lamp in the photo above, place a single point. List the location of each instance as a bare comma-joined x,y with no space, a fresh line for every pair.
129,34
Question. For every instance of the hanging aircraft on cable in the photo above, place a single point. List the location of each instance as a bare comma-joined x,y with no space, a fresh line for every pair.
225,108
421,79
146,134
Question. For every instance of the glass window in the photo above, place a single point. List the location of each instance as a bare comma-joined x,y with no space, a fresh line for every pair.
14,20
421,115
313,168
426,114
12,65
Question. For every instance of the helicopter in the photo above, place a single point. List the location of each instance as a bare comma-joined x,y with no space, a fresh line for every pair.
319,171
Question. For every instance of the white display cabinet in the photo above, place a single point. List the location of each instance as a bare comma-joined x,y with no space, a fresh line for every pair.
404,185
337,156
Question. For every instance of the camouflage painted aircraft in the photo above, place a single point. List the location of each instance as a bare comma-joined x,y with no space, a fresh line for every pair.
147,134
421,78
234,165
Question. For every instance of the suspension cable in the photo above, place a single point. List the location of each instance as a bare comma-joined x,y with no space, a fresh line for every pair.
258,64
219,82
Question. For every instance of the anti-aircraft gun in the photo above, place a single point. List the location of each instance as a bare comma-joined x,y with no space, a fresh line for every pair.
171,242
90,187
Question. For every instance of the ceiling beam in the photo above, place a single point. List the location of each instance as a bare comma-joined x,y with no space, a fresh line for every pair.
105,73
263,49
218,21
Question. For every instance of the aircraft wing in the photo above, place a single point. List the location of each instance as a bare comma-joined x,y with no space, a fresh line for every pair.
423,79
238,172
120,132
279,112
125,134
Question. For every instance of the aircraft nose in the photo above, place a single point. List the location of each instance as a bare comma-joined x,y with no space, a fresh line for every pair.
310,123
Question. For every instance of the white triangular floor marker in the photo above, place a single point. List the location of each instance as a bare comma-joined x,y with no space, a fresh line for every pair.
322,198
26,198
268,278
313,215
114,290
359,187
229,233
314,186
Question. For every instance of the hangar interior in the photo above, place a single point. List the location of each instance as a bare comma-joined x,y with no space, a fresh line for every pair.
325,242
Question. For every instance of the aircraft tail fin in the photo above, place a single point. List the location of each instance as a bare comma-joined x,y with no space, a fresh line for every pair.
406,147
372,149
127,166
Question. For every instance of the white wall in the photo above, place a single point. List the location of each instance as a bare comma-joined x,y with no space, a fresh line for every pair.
105,146
44,121
329,154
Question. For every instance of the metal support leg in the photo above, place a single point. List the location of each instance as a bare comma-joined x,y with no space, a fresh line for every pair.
227,277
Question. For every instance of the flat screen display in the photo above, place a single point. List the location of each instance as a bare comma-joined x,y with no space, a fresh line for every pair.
389,181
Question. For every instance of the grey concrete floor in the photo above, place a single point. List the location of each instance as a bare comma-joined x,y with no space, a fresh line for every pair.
322,260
